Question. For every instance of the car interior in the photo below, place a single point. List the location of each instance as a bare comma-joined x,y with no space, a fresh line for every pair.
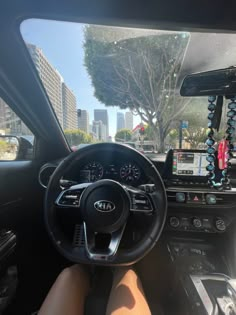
170,216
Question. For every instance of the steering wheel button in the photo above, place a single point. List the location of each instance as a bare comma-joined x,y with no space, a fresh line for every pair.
144,202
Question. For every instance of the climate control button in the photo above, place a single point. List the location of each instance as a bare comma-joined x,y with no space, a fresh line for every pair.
211,199
174,222
220,225
197,223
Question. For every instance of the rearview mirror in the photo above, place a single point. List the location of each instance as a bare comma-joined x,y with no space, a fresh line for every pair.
9,148
217,82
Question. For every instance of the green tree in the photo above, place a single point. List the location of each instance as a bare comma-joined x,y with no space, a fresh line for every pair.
149,133
77,136
123,135
139,73
3,147
173,136
195,137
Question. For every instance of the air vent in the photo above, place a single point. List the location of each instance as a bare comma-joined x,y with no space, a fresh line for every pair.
45,174
171,196
78,239
225,199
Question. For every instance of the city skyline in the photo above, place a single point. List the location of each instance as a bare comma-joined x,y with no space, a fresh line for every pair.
67,56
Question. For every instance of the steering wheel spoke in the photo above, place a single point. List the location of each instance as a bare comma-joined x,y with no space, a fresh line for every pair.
70,198
108,250
140,201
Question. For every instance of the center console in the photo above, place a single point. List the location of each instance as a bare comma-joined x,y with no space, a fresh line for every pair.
201,285
192,205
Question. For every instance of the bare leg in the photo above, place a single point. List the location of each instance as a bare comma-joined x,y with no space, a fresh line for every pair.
68,293
127,296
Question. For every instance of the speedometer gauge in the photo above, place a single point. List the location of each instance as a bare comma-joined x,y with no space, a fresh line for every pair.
93,171
130,172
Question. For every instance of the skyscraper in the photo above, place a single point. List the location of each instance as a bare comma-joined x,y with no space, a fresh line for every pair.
83,120
51,79
10,123
99,129
102,115
129,120
120,122
70,120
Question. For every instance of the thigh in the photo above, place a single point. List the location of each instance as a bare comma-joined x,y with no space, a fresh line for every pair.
68,293
127,296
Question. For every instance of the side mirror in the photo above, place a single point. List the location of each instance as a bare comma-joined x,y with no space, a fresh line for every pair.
15,148
9,148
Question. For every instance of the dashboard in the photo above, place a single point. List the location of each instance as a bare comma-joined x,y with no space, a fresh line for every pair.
192,205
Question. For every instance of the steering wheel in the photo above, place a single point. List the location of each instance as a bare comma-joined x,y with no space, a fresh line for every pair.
103,208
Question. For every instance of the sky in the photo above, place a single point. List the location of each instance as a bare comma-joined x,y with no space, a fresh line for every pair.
62,44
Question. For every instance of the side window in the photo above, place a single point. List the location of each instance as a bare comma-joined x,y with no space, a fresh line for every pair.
16,140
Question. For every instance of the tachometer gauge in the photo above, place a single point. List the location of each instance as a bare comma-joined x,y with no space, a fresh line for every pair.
130,172
93,171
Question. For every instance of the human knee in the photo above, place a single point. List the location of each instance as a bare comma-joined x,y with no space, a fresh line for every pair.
126,274
72,273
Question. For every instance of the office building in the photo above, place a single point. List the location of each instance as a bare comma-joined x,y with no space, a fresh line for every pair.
129,120
102,115
10,123
83,120
99,130
120,121
51,79
70,120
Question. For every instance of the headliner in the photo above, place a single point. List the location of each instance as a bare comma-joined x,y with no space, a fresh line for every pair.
169,14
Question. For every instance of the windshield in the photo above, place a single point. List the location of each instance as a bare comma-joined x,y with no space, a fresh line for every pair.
122,85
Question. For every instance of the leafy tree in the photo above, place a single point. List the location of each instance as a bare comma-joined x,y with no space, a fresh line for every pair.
123,135
3,147
139,73
173,136
149,133
77,136
195,137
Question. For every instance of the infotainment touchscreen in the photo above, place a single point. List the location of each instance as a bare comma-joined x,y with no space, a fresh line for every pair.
189,163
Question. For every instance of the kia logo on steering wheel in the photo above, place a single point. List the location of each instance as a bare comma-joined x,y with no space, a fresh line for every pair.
104,206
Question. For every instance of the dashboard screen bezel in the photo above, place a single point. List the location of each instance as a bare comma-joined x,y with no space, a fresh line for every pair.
168,172
186,151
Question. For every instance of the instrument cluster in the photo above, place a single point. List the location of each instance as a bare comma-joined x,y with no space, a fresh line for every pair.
127,172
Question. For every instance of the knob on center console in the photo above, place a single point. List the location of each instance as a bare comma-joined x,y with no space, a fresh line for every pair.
174,222
197,222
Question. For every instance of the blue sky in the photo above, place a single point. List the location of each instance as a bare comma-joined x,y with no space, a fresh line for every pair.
62,44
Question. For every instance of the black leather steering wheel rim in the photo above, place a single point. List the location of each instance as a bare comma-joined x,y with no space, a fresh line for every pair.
122,257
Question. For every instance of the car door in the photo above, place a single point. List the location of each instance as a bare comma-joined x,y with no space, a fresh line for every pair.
18,173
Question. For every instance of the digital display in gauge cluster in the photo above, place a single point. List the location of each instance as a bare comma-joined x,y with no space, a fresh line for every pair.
127,172
91,172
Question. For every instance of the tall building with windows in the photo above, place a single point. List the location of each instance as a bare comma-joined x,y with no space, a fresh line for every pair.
99,129
129,120
70,120
10,123
51,79
120,121
83,120
102,115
